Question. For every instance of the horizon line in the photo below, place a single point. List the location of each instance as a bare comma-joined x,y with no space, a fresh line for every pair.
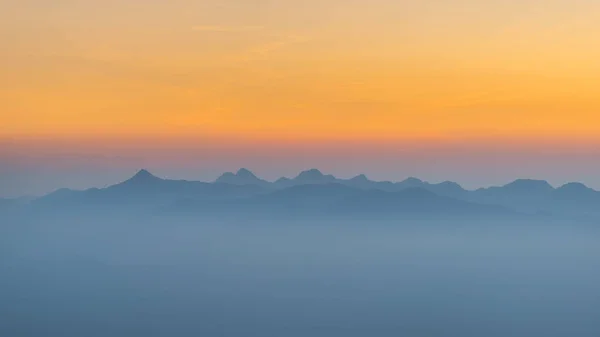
236,173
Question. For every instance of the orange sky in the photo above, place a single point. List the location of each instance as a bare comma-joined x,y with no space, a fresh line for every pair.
306,70
482,91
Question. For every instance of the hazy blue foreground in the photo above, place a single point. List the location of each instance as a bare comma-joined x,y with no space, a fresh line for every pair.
185,276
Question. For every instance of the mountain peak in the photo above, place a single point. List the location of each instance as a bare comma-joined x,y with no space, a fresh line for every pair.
577,192
143,174
245,173
412,182
142,177
578,186
314,176
241,177
312,173
451,184
530,185
574,188
360,177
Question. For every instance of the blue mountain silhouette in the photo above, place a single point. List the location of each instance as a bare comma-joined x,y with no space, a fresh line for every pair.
241,177
311,191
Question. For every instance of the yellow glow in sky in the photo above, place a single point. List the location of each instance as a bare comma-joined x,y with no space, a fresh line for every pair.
351,69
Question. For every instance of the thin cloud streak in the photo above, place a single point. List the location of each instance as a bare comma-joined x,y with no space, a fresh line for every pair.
228,29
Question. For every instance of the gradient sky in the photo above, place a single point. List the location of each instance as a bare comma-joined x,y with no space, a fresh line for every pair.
480,92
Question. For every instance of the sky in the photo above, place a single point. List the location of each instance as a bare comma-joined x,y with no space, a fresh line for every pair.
479,92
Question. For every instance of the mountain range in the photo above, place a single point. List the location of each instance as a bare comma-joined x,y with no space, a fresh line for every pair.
313,193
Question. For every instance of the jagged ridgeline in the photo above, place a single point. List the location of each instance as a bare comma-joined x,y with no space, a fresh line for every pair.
312,192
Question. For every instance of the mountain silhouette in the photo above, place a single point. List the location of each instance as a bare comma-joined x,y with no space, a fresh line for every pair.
414,200
360,181
311,191
241,177
146,189
142,179
335,199
529,186
576,191
314,176
327,195
575,198
410,182
311,176
143,175
449,189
